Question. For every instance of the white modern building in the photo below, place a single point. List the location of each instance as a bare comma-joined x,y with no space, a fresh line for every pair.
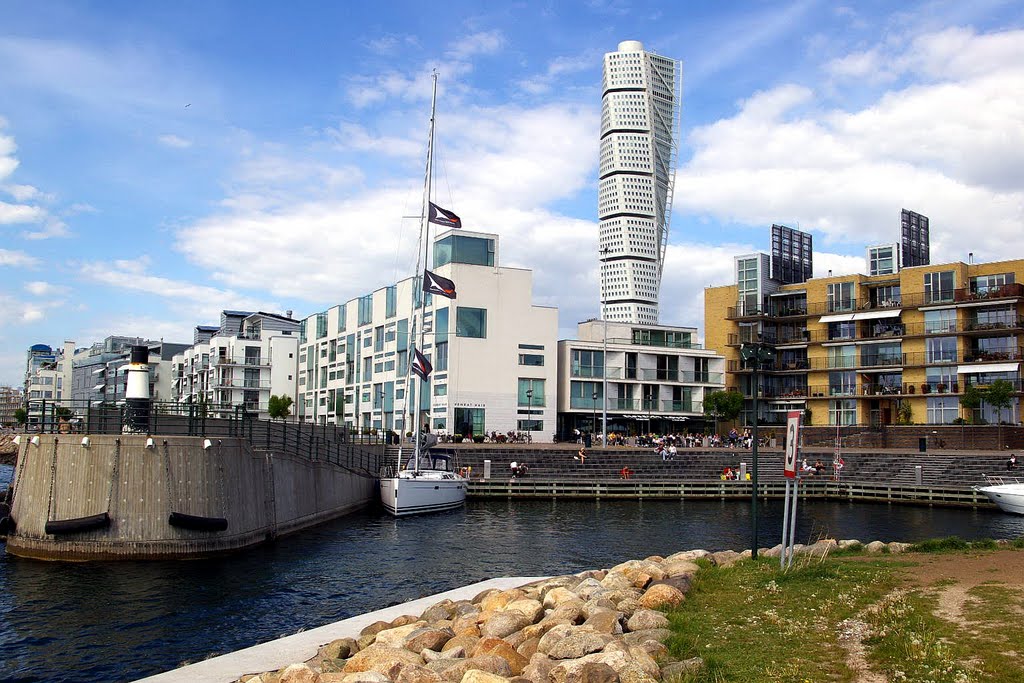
492,351
249,357
47,376
645,378
640,124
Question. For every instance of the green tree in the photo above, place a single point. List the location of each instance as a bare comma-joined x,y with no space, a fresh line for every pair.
971,400
63,412
20,416
724,405
1000,396
279,406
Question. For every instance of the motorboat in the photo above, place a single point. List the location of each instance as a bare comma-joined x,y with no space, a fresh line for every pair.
428,484
1005,492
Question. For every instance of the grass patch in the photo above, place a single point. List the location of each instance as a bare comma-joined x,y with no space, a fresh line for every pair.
911,645
941,545
753,622
994,613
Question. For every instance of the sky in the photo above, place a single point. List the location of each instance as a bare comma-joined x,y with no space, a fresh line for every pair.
160,162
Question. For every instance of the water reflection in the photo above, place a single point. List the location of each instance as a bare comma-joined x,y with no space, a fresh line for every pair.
116,621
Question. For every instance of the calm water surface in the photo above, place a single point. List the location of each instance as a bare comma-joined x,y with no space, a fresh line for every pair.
102,621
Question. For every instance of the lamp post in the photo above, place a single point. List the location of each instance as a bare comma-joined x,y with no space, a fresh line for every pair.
593,424
604,356
755,355
529,407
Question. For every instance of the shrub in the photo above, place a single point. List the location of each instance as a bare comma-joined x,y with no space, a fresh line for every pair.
479,438
457,438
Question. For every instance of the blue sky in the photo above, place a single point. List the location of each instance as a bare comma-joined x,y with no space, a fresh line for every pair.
161,162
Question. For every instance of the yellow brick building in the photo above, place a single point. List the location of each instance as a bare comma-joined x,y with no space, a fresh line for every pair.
873,349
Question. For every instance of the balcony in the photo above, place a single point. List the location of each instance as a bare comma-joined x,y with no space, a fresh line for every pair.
617,373
250,361
988,356
636,405
1014,290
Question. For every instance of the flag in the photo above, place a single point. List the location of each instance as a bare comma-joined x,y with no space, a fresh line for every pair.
435,284
420,365
443,217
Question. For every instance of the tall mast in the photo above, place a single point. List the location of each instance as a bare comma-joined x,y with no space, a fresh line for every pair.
421,262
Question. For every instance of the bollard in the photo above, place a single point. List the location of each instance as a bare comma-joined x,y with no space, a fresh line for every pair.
743,471
918,475
487,469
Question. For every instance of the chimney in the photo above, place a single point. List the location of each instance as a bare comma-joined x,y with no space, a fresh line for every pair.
288,313
970,257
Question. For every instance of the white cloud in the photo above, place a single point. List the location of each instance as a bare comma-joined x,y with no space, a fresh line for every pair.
354,136
25,193
40,288
16,258
202,301
539,84
11,214
481,43
952,149
15,312
174,141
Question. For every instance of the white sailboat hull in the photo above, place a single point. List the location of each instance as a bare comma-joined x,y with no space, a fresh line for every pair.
414,493
1009,497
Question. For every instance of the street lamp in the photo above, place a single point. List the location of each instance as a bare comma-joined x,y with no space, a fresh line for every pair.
594,421
604,356
755,355
529,408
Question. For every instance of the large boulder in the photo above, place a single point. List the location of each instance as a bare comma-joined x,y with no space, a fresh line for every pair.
556,596
468,643
387,660
426,638
478,676
570,643
532,609
395,637
539,667
299,673
658,595
690,555
418,674
677,567
503,624
496,601
617,580
583,672
725,558
516,661
454,669
875,547
646,618
442,610
342,648
604,621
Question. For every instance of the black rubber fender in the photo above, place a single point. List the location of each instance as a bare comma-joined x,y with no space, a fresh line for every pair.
197,523
79,524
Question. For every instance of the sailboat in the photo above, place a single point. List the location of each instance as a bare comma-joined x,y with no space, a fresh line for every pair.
426,482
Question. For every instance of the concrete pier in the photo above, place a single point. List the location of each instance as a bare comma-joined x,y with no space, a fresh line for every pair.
138,481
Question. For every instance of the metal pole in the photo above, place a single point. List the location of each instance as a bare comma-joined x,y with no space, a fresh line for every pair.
593,424
753,478
792,520
785,528
604,363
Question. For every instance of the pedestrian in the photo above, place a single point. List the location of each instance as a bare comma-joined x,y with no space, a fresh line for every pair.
1011,464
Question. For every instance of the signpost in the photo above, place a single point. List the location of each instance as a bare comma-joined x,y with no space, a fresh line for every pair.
792,485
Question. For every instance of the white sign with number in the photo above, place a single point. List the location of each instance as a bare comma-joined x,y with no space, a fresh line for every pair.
792,441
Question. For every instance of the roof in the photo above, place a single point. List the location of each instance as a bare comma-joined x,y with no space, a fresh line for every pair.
276,315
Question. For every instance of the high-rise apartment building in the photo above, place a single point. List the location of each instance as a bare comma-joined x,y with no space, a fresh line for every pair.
915,241
640,121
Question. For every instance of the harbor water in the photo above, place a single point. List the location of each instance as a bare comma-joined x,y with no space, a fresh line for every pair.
103,621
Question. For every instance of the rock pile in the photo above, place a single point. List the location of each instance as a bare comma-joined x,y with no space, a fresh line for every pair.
600,626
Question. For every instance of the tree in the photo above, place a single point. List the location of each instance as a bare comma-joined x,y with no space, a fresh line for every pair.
279,406
1000,396
971,400
725,405
20,416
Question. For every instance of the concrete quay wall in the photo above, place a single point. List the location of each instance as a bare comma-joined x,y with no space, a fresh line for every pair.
260,494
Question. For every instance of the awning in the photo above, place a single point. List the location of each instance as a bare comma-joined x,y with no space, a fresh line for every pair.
838,318
869,315
99,370
987,367
98,387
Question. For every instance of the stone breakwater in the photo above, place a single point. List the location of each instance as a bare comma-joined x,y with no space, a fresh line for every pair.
597,626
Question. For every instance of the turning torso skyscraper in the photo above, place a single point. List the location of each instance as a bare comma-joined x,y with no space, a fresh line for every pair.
640,120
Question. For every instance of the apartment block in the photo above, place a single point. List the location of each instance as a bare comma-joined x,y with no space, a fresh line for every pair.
492,350
11,398
874,349
646,378
245,360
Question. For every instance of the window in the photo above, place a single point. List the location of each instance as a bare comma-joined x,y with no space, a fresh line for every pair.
365,309
440,390
938,286
936,322
342,315
391,301
367,369
581,395
990,285
321,325
531,392
843,330
875,355
995,317
941,349
882,260
441,326
531,359
530,425
842,412
441,351
378,338
840,297
842,356
587,363
471,322
469,421
475,251
842,383
942,410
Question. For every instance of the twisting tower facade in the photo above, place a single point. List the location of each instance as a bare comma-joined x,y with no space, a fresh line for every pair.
640,121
